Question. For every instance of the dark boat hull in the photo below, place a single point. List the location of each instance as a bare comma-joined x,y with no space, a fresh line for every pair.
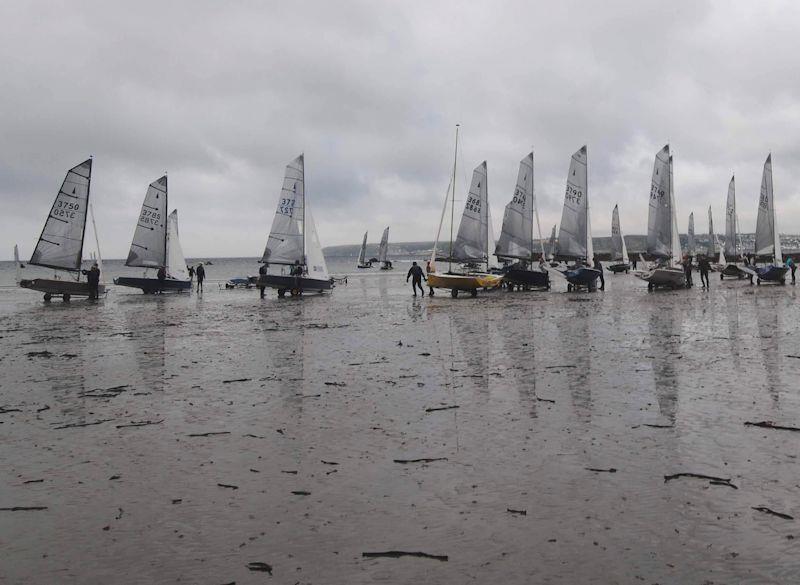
771,273
582,277
620,267
294,284
527,278
731,270
65,289
151,286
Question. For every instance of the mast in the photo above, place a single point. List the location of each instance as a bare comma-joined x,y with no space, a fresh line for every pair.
166,208
487,216
303,256
453,205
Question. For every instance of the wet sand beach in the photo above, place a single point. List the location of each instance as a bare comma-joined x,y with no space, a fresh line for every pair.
514,438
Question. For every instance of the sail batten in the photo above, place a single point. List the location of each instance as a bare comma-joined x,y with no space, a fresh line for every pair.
149,245
60,244
516,236
574,234
472,240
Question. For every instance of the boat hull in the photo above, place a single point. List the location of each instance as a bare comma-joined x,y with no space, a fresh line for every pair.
151,286
364,266
464,282
664,278
620,267
771,273
527,278
583,277
65,289
731,270
295,285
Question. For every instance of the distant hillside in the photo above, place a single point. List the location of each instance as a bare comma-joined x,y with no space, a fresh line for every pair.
602,245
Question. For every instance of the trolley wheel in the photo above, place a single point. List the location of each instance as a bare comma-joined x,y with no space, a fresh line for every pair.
295,292
47,297
281,293
65,298
454,292
473,292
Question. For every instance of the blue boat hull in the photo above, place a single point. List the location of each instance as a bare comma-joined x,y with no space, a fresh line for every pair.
771,273
583,277
151,286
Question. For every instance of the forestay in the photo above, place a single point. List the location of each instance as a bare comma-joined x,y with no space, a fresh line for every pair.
659,218
472,241
574,234
149,247
176,262
285,244
383,250
516,236
767,237
61,243
730,221
619,251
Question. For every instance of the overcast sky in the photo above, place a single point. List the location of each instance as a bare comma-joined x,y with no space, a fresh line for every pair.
223,95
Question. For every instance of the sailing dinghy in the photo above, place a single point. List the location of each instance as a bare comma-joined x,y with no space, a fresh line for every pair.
383,251
516,241
768,241
575,231
619,251
730,254
362,255
470,249
293,254
663,241
156,244
60,245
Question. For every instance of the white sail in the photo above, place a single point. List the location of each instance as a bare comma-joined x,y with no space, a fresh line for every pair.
285,244
61,242
712,238
149,247
574,234
471,243
730,221
690,245
659,218
383,250
768,241
552,246
362,254
516,236
176,262
17,265
316,267
493,262
676,254
619,251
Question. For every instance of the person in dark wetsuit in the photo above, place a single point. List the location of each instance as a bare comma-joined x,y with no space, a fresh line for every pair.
687,270
93,280
792,266
162,276
705,268
599,266
190,270
262,273
416,275
201,276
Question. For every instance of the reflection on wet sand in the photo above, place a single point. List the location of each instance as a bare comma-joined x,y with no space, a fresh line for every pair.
665,345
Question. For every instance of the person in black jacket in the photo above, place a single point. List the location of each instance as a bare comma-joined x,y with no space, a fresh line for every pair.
201,276
93,280
416,274
162,276
599,266
705,267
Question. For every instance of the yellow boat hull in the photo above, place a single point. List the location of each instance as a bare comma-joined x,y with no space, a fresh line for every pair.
468,282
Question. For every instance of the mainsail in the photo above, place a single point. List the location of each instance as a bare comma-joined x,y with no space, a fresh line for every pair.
574,234
767,237
712,238
316,267
149,246
659,218
383,250
619,251
176,262
471,243
362,254
516,236
61,243
730,222
285,244
690,246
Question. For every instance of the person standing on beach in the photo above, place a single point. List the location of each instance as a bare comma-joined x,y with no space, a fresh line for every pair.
428,270
599,266
162,276
93,280
792,266
262,273
416,275
201,275
705,268
687,270
190,270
